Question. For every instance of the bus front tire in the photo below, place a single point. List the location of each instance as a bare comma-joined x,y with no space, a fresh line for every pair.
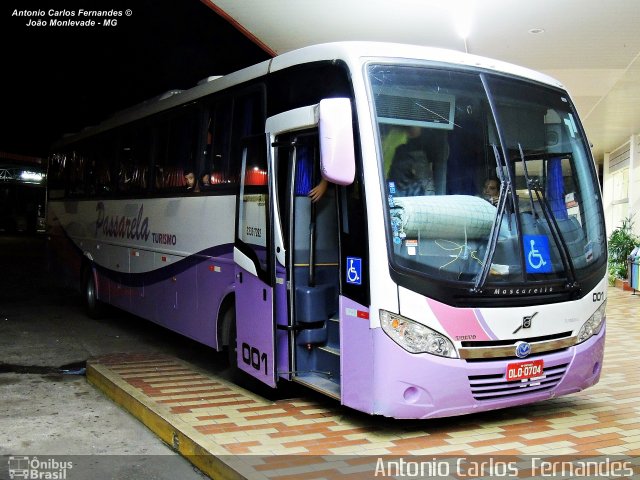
229,327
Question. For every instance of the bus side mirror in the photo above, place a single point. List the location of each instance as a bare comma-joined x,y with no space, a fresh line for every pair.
337,156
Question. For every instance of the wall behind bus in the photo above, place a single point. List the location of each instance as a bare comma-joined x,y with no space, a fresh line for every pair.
621,184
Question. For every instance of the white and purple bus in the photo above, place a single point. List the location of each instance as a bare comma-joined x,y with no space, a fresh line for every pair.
402,291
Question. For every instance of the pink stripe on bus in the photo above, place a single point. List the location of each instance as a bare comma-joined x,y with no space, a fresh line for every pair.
458,323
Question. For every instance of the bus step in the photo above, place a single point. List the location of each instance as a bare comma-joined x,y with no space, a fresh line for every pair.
320,384
331,350
327,359
333,333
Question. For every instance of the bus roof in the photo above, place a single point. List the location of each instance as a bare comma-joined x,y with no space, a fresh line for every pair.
353,53
357,51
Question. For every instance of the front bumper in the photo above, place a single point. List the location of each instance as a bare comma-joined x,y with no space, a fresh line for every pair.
425,386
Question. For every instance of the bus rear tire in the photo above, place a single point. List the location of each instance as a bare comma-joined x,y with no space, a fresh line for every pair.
93,307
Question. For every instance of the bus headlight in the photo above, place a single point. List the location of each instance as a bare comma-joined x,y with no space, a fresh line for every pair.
415,337
592,326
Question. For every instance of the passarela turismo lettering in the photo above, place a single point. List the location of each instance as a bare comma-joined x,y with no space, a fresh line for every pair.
164,238
136,228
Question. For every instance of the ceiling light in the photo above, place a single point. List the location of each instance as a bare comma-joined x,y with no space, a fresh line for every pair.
462,11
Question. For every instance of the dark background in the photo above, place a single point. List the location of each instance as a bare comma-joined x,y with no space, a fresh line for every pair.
57,80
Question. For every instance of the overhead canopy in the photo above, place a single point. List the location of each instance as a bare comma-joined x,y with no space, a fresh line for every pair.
591,46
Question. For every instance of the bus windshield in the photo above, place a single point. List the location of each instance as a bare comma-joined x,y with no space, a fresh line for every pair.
487,178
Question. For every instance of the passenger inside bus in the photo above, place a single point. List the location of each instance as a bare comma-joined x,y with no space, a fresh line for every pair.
491,190
411,170
205,181
190,181
395,137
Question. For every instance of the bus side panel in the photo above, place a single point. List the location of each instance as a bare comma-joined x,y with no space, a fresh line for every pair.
215,279
184,296
282,318
102,285
172,279
356,356
175,275
63,257
118,265
141,298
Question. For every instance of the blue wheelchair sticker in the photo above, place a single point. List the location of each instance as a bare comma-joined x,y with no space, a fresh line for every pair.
537,254
354,270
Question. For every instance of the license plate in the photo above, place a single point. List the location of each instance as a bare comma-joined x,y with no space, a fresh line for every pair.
524,370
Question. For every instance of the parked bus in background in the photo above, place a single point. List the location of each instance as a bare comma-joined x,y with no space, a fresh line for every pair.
22,194
402,291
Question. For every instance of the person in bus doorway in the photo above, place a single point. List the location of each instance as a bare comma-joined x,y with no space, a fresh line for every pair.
304,177
316,193
190,181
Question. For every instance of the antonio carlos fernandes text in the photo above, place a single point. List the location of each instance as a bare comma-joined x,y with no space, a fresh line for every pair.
468,468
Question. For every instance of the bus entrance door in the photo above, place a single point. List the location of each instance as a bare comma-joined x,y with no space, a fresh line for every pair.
253,258
314,271
306,247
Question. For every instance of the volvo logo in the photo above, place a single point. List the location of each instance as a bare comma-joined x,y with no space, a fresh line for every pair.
526,322
523,349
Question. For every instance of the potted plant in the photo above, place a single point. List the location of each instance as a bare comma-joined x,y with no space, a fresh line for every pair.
621,243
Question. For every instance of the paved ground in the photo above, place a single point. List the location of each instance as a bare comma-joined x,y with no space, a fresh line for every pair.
42,412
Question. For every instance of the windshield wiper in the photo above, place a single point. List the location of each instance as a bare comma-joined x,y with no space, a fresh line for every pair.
558,238
505,189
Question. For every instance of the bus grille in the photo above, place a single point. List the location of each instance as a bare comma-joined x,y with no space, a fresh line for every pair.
490,387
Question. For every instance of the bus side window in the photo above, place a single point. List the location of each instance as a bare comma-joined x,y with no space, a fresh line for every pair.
217,159
100,168
175,151
133,160
76,186
248,120
56,175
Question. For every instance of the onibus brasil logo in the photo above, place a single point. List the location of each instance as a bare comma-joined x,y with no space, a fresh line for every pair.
33,468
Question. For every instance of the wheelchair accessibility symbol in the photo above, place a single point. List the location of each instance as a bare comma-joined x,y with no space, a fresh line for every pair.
536,250
354,270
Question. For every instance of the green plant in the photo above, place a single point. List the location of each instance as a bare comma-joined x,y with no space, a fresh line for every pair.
621,242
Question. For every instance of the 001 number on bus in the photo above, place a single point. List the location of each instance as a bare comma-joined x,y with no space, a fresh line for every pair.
252,356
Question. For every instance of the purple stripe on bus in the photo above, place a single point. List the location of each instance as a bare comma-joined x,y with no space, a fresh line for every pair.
172,269
483,324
